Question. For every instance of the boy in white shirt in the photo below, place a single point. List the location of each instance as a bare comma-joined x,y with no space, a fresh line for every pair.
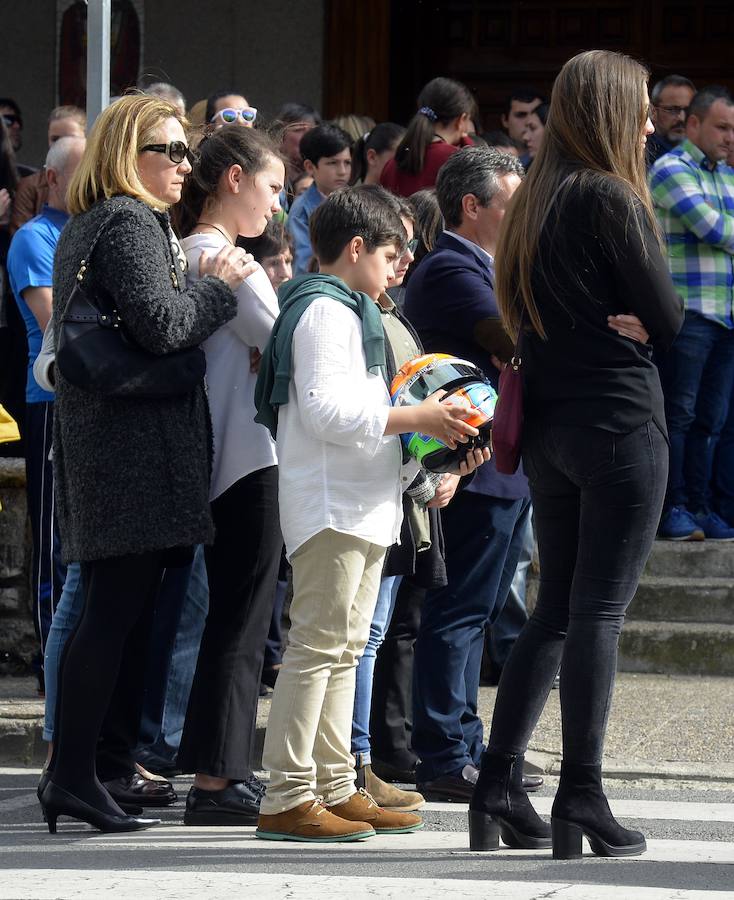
322,391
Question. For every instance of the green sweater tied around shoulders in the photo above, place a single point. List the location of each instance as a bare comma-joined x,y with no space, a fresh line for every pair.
294,297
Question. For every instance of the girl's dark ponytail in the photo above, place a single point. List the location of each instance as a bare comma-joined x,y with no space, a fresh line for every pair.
381,138
440,101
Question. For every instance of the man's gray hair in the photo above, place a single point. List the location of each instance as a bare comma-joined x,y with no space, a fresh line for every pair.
670,81
60,151
473,170
166,91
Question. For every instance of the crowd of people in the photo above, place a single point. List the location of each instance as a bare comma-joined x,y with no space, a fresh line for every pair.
201,319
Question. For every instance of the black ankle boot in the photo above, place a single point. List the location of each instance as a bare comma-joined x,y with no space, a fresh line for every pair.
500,806
580,808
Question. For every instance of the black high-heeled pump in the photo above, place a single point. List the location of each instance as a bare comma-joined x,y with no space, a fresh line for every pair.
499,807
581,808
55,802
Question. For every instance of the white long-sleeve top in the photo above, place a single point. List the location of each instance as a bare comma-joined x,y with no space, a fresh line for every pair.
337,468
241,446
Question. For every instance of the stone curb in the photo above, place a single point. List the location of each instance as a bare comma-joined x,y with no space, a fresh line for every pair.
21,743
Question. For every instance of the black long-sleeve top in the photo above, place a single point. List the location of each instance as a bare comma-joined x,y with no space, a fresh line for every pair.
592,264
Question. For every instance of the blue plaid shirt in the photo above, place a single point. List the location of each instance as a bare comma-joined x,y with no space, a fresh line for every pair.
694,202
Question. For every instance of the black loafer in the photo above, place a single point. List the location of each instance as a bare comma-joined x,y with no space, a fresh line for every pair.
532,783
454,788
237,804
134,790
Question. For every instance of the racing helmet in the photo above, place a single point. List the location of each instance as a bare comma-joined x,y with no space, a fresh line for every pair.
465,384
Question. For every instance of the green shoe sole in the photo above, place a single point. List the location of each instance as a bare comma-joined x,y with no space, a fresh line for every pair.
399,830
278,836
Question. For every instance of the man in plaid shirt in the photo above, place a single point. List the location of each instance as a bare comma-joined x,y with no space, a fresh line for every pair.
693,191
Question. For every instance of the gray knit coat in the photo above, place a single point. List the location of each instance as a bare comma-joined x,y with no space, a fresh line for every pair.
132,475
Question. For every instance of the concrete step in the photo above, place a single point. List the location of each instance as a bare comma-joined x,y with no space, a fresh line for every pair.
675,599
683,559
677,648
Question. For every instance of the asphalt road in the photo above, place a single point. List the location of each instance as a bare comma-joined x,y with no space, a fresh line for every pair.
690,832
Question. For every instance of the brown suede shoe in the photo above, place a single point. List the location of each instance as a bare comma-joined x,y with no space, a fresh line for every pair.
361,807
313,822
385,795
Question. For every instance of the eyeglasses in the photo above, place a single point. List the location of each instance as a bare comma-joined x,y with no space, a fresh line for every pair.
12,119
229,115
411,246
672,110
176,151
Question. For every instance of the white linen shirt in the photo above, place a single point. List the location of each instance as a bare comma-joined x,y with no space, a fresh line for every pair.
337,468
241,445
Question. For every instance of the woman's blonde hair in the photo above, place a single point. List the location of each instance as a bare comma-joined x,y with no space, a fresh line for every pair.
597,113
109,165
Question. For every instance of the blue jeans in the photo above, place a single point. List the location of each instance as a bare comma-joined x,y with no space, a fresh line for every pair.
698,376
483,539
167,696
64,621
366,670
514,615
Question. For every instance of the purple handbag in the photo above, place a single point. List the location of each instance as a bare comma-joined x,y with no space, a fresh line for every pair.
508,417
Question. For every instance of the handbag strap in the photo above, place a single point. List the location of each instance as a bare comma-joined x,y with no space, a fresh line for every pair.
84,264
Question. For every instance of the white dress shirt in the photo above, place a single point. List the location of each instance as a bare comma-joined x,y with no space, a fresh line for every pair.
337,468
241,446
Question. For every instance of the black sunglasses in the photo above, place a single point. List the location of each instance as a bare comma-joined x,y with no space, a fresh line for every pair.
12,119
176,151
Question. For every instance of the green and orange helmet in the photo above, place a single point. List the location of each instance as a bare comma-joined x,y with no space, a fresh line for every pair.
465,384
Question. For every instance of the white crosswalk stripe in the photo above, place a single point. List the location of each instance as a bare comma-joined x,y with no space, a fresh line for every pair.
186,863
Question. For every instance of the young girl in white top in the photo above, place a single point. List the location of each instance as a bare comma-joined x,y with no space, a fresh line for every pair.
234,191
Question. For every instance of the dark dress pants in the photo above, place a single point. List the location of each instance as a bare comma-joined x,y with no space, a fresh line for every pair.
597,498
483,538
219,733
391,721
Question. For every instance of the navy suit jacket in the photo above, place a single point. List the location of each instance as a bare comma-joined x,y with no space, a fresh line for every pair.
450,292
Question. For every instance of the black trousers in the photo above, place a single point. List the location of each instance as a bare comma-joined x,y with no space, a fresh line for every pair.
392,687
102,672
242,565
597,498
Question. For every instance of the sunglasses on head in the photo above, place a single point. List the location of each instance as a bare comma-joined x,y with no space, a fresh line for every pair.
12,119
229,115
176,151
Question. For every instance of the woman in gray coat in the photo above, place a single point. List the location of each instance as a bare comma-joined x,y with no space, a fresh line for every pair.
132,474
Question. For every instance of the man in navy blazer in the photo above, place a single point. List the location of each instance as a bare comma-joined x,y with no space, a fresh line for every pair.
450,301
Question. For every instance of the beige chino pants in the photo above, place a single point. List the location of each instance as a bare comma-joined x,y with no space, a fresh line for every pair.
336,578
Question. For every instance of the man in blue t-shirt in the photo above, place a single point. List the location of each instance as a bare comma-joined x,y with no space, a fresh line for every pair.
30,272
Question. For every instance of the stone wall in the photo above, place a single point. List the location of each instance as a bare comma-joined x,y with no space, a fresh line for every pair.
17,638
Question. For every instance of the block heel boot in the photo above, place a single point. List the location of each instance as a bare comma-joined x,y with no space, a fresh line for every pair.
500,808
580,808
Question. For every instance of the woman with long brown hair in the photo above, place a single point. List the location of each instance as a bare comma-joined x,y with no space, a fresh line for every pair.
582,280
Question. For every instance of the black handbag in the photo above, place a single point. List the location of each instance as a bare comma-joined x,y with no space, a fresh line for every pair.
94,352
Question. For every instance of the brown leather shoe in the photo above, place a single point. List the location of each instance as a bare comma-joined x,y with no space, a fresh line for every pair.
362,807
385,795
313,822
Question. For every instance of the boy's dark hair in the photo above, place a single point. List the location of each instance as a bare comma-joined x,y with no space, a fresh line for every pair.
382,137
473,170
704,99
441,100
324,140
274,240
401,205
428,225
522,95
297,112
211,101
361,211
229,146
541,111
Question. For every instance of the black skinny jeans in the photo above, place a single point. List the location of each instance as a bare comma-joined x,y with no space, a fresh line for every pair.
597,498
103,667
